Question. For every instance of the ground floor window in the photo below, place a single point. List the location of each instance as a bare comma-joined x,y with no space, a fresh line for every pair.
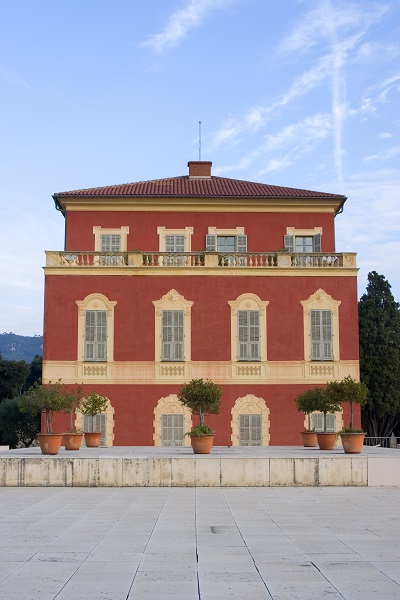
172,433
250,430
318,422
96,423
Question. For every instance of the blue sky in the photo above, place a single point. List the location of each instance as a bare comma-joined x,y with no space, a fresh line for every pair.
295,93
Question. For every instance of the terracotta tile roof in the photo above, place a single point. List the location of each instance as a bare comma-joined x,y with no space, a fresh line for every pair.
184,186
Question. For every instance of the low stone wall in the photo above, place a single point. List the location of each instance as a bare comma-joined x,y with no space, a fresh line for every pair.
201,471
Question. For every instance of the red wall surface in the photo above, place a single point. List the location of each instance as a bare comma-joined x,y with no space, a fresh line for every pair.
265,231
134,315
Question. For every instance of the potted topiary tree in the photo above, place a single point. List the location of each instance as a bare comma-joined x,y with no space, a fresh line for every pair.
307,403
326,403
201,397
353,392
92,405
73,437
46,399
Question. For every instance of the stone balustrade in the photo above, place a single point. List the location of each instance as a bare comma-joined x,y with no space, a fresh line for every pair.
201,260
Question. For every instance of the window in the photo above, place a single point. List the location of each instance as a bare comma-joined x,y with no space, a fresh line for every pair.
95,335
321,327
111,242
95,331
226,243
303,243
248,328
250,427
96,423
172,433
172,330
248,335
174,243
321,334
172,335
318,422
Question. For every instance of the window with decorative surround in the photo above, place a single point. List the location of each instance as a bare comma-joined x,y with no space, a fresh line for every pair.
321,327
95,329
173,328
250,422
248,328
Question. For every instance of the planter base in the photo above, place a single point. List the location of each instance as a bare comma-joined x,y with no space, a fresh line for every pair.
352,442
309,439
326,441
92,439
202,444
73,441
50,442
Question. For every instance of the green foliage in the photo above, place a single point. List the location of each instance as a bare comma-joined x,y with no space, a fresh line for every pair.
35,373
201,397
348,390
13,374
379,328
48,399
94,404
17,426
317,400
73,400
200,430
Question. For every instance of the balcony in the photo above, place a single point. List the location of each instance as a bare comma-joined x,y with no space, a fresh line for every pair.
200,260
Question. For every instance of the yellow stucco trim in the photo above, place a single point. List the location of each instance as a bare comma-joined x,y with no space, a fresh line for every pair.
172,300
300,232
248,301
96,302
167,406
247,405
320,300
234,231
223,372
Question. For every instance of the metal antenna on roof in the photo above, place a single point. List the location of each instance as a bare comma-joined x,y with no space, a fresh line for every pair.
199,140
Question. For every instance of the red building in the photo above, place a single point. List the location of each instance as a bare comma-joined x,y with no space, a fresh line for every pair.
205,277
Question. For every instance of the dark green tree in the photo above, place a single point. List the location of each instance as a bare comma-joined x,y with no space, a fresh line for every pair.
17,426
379,327
13,374
35,372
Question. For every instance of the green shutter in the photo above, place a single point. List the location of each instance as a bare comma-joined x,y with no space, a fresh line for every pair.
317,243
249,335
321,334
172,345
95,343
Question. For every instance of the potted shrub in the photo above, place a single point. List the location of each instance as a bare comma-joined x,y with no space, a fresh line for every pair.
92,405
326,403
353,392
307,403
201,397
73,437
46,399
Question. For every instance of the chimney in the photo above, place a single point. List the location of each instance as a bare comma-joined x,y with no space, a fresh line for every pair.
199,169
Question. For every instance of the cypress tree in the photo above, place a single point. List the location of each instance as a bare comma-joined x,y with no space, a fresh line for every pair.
379,327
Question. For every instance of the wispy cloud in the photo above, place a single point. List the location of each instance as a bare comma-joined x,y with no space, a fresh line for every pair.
181,22
383,156
14,78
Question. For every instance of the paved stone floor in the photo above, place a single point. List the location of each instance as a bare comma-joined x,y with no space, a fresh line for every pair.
199,543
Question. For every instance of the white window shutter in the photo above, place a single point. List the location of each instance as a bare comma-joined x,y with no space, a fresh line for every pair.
288,242
211,243
241,243
317,243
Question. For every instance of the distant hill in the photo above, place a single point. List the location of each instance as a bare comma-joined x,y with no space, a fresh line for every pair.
20,347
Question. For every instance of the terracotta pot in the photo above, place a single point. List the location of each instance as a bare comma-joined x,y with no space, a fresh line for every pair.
73,441
309,439
92,439
202,444
352,442
50,442
326,441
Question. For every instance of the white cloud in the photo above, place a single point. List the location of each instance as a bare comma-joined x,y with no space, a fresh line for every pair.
181,22
382,156
385,135
14,78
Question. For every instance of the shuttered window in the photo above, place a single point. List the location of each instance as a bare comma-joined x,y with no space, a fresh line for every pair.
248,335
110,242
321,334
303,243
174,243
226,243
95,335
93,423
318,422
172,433
172,335
250,430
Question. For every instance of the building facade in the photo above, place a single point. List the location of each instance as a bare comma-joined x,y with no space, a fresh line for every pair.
193,277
